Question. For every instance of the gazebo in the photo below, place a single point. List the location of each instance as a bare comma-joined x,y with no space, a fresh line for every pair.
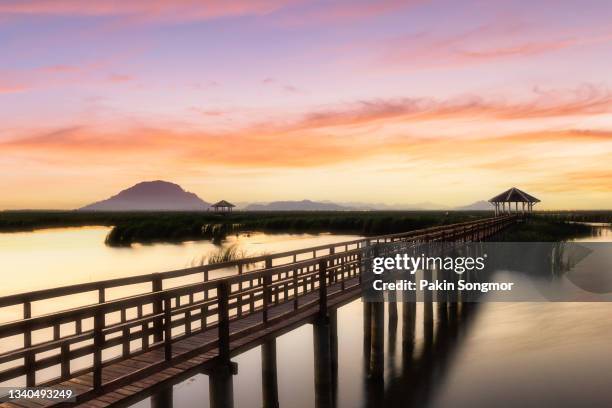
222,206
516,196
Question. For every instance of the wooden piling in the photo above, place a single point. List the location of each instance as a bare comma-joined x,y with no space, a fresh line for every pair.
269,376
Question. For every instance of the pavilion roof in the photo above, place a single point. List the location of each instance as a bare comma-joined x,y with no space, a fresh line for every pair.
223,203
514,195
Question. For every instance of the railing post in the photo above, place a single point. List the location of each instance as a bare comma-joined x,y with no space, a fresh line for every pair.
167,327
224,324
333,277
27,343
65,365
240,271
267,280
295,290
323,288
98,344
158,326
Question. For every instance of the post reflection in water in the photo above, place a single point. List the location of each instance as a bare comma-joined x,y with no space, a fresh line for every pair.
406,382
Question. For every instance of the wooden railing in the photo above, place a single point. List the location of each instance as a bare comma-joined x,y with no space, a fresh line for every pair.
115,330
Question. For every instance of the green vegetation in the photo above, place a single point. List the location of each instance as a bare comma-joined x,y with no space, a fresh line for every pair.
140,227
148,227
579,216
545,229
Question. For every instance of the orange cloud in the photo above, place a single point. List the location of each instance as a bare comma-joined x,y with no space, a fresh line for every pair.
342,135
277,148
586,100
11,88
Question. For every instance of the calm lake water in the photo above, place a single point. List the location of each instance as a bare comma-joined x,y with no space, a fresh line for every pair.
64,256
505,354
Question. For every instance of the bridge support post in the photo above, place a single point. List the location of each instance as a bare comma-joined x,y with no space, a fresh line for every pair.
392,342
367,334
323,363
377,354
269,377
441,297
428,310
333,340
162,398
221,385
408,329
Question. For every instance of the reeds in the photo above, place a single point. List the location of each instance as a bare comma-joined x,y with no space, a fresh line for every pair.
227,254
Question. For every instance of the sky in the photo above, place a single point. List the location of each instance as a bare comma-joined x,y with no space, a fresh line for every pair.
385,101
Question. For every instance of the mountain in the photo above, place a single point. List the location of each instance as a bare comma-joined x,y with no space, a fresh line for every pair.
304,205
151,196
422,206
477,206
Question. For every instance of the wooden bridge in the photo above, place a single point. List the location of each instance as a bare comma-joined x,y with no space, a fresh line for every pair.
119,349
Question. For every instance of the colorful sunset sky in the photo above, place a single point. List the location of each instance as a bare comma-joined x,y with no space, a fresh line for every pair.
259,100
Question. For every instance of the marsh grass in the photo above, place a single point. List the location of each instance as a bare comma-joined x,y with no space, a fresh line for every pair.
545,229
175,227
227,254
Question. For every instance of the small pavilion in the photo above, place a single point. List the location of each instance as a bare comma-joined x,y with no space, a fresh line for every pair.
516,196
222,207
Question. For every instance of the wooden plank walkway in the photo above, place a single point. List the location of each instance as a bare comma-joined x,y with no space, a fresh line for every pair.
184,364
132,393
181,331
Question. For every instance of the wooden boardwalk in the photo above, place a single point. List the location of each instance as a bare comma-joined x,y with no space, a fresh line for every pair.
141,343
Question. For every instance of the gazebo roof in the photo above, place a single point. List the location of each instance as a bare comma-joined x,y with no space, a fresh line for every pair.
223,203
514,195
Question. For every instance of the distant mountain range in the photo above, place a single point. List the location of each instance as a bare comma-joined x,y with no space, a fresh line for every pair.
304,205
425,205
477,206
151,196
308,205
165,196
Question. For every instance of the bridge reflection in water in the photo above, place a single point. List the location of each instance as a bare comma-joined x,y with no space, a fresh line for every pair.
386,382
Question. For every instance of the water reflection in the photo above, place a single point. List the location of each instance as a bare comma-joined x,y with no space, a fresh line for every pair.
66,256
387,380
432,354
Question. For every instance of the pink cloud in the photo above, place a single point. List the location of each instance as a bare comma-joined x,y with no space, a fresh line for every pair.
208,112
585,100
11,88
120,78
300,143
288,88
61,68
482,44
346,11
155,10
